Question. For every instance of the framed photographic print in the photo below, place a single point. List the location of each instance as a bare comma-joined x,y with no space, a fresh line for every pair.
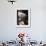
23,16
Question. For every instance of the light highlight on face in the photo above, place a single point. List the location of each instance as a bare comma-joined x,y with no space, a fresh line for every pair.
20,14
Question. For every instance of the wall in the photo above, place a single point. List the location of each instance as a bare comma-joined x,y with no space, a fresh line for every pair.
8,28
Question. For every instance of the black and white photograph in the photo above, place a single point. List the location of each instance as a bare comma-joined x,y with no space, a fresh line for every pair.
23,19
